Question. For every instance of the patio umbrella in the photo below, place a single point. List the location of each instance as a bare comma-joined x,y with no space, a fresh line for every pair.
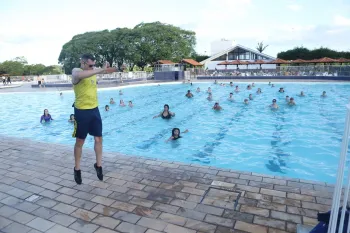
259,62
236,62
298,61
343,60
224,63
278,61
325,60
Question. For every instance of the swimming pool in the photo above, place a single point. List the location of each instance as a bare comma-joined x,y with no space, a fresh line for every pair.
302,141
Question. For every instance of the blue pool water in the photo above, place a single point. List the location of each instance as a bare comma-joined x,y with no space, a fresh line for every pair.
301,141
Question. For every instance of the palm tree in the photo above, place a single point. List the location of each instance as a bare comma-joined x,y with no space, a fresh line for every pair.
261,47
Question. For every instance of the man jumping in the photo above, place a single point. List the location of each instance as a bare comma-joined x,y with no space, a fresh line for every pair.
87,115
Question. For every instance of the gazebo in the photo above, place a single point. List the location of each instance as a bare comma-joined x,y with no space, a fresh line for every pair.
224,63
260,62
299,61
278,61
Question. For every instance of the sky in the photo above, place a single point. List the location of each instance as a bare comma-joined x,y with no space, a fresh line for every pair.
37,29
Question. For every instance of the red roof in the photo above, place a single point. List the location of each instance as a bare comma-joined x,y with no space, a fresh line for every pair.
299,61
236,62
259,62
278,61
224,63
165,62
341,60
325,60
191,62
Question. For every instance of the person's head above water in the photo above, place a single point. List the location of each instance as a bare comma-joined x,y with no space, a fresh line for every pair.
324,93
175,132
71,117
107,107
121,101
87,62
189,91
46,112
166,107
274,101
231,94
112,99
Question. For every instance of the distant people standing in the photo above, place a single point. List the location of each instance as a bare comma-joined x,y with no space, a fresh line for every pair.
39,81
43,82
8,80
3,80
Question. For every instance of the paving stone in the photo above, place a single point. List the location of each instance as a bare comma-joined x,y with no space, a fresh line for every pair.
104,210
44,212
274,181
286,216
26,206
127,217
152,223
106,222
7,211
291,227
141,202
123,206
67,191
324,201
228,174
302,211
219,221
104,230
286,201
10,201
38,182
83,204
200,226
193,191
301,197
49,194
101,192
258,196
40,224
62,219
34,189
64,208
273,192
150,182
152,231
314,206
100,184
60,229
271,206
53,179
84,215
84,195
222,204
83,226
194,198
21,217
183,204
146,212
255,210
269,222
51,186
4,222
165,208
130,228
16,228
138,193
247,227
249,177
170,228
236,215
66,199
209,209
103,200
174,219
46,202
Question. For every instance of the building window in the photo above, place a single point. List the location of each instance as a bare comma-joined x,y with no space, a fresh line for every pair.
221,58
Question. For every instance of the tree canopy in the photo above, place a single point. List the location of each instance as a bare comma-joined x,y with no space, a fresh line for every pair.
19,66
261,47
142,45
306,54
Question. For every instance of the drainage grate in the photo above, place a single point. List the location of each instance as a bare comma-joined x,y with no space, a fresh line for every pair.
223,189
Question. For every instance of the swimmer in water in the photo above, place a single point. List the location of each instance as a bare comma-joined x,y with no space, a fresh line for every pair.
272,85
258,91
246,101
189,94
287,99
175,134
324,94
216,81
291,101
249,87
107,108
130,104
253,84
274,104
191,84
269,83
111,101
250,97
302,94
46,117
61,94
120,92
217,107
121,103
166,114
198,89
237,89
209,90
230,98
71,118
231,84
210,96
281,90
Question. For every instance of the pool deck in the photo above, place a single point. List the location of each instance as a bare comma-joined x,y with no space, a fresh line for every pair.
138,194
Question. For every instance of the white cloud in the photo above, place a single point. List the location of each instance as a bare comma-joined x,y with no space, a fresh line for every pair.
341,21
294,7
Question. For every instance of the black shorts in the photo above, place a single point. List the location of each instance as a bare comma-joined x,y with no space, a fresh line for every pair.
87,121
39,82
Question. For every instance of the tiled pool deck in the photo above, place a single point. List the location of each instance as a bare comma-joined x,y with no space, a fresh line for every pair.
38,194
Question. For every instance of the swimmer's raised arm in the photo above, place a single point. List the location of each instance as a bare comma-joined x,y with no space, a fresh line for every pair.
158,115
171,138
172,113
186,131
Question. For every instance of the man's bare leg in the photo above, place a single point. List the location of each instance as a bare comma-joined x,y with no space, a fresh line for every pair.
98,152
78,149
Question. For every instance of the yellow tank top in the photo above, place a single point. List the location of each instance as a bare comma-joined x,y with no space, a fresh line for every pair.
86,93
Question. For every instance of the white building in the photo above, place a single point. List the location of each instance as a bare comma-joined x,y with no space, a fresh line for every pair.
220,45
237,52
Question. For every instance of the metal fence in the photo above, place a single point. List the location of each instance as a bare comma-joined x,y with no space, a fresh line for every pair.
330,70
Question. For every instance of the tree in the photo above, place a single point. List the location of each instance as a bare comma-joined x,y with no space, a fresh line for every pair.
13,68
306,54
199,57
260,47
141,46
